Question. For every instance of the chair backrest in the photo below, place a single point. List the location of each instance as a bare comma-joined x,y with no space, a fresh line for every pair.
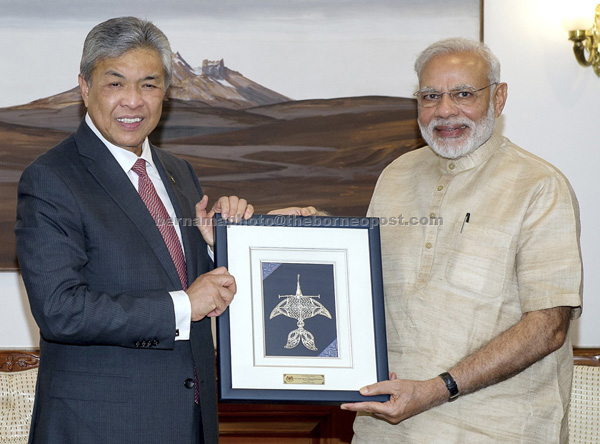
18,375
584,409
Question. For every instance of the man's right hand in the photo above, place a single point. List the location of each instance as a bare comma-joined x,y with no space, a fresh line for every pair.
211,293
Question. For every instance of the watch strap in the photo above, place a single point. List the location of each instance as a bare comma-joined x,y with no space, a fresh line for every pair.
450,385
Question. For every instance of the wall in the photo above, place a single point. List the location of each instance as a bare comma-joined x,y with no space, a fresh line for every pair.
309,49
552,111
17,327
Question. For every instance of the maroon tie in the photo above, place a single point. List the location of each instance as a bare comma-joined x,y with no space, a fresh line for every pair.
161,217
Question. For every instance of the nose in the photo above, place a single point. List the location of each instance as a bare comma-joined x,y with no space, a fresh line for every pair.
447,107
132,97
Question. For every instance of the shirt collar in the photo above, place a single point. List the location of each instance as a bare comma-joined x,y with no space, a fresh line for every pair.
124,157
472,160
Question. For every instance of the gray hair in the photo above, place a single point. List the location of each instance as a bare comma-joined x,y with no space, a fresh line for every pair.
116,36
459,44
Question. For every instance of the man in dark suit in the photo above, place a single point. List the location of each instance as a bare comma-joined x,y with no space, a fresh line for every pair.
126,347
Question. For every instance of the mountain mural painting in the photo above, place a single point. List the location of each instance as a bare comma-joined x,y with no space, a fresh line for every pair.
241,138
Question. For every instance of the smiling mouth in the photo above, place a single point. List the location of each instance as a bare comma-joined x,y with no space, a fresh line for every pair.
451,131
128,120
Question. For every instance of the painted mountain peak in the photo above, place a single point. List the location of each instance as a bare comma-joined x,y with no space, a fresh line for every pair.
217,85
213,84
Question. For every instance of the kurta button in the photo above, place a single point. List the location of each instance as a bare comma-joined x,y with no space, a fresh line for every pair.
428,245
440,188
189,383
451,166
431,215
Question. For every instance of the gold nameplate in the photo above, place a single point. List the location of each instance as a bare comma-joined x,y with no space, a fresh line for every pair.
304,379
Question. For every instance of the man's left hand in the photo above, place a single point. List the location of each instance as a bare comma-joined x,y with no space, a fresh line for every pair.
231,208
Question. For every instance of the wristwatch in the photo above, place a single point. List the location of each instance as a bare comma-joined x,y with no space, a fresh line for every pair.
451,386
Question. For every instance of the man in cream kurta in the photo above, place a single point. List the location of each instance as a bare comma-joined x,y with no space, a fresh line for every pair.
495,247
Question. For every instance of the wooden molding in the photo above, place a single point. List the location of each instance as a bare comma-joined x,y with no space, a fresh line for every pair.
18,360
586,356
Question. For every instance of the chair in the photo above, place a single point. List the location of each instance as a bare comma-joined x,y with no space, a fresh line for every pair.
18,374
584,409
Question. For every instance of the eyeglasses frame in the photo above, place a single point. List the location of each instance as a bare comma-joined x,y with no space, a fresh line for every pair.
451,94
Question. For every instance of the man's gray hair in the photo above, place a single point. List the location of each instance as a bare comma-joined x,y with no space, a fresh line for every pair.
116,36
460,44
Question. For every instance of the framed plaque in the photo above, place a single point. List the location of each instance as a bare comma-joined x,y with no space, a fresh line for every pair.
307,323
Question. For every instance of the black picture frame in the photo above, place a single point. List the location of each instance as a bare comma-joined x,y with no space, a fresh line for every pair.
273,256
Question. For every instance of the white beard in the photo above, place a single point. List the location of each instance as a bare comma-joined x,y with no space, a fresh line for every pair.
450,148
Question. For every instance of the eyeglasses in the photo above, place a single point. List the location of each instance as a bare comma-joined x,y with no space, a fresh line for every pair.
463,97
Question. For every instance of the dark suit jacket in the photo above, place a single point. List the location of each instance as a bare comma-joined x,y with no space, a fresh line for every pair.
97,274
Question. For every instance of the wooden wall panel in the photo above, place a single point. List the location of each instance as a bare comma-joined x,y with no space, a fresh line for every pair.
284,424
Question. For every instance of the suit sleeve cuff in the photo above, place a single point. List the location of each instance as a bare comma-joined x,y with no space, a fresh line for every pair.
183,315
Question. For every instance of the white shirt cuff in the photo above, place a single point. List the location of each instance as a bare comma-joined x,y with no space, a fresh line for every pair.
183,315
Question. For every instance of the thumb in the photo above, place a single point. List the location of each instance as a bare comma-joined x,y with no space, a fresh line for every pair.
219,270
225,278
201,206
205,223
375,389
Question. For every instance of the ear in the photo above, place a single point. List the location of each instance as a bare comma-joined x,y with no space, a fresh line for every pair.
84,88
500,96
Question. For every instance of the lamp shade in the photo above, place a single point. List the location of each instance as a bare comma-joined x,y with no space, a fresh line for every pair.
578,15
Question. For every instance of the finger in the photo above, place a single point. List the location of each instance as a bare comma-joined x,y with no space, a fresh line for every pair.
220,206
239,210
382,410
226,295
219,306
308,211
203,204
228,282
220,301
228,205
379,388
369,407
289,211
201,208
224,279
204,222
249,211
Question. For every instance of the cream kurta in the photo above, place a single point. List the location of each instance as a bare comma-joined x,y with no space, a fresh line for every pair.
455,282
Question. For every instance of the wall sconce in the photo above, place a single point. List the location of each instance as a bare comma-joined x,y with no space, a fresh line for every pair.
586,41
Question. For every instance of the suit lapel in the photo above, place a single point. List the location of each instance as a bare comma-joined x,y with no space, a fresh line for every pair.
108,173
